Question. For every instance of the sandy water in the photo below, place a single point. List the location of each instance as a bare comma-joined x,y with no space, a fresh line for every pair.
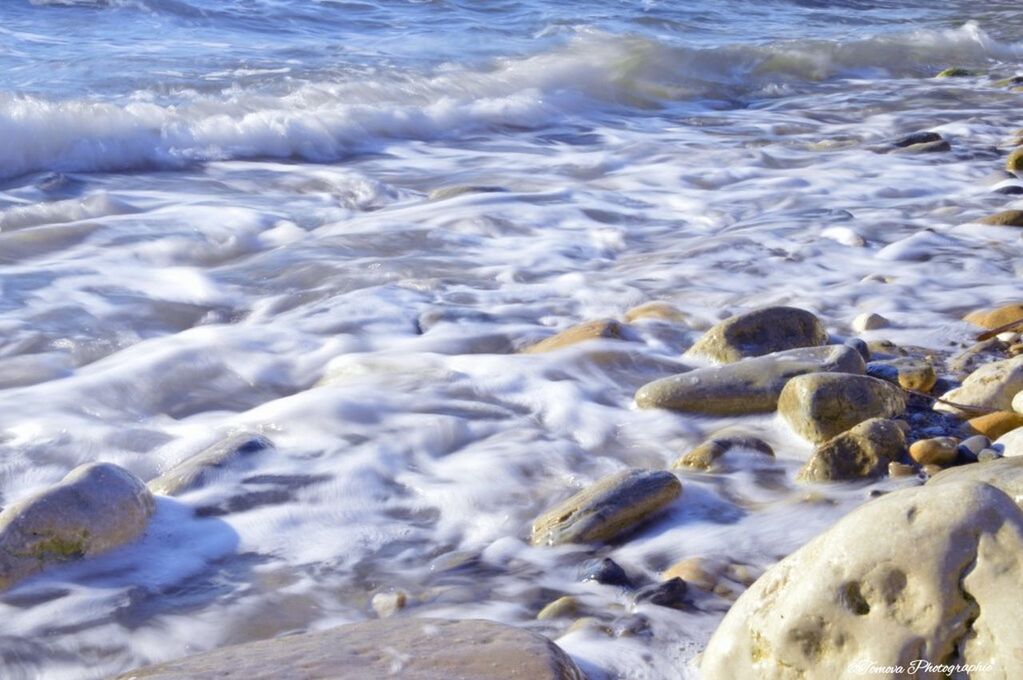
226,216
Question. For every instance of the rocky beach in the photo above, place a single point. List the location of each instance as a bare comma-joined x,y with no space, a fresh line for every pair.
428,341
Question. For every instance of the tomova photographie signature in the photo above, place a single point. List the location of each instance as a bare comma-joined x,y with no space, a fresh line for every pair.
920,666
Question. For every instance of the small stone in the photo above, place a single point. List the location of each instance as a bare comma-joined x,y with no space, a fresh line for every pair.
605,571
590,330
1014,163
885,347
747,386
819,406
199,470
910,374
863,451
670,593
994,425
937,146
742,573
988,455
931,470
608,508
1015,350
760,332
388,604
860,346
869,321
996,318
915,138
561,608
1005,218
655,310
937,451
95,508
1009,82
590,624
975,444
956,72
1009,337
695,571
703,456
989,388
896,469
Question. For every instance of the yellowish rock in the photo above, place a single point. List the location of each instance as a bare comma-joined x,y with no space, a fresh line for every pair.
561,608
935,451
1014,162
589,330
994,425
896,469
696,571
389,604
1005,218
655,309
997,317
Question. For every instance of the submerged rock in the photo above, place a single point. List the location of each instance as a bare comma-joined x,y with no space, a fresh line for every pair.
1005,218
927,573
655,310
573,335
956,72
95,508
914,138
762,331
748,386
608,508
1014,163
996,318
671,593
200,469
563,607
605,571
412,649
989,388
819,406
864,451
703,456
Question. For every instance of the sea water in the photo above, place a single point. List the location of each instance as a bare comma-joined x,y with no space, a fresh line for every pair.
334,222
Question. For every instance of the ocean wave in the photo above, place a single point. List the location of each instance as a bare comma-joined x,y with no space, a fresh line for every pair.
328,120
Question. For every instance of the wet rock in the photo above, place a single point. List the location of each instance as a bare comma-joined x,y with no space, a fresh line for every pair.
864,451
883,348
929,573
605,571
869,322
748,386
1005,218
819,406
860,346
912,139
762,331
911,374
590,330
989,388
900,470
389,604
671,593
941,451
608,508
95,508
1009,82
956,72
413,649
937,146
995,318
444,193
655,310
994,425
695,571
703,456
562,608
1014,163
199,470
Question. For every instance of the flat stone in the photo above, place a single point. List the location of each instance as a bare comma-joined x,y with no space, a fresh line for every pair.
864,451
199,470
819,406
573,335
997,317
95,508
914,138
994,425
1005,218
703,456
412,649
612,506
655,309
989,388
911,374
929,572
941,451
759,332
748,386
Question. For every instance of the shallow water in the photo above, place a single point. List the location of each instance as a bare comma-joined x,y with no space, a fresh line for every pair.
218,216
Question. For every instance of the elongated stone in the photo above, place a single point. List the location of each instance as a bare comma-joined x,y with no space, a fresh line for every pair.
199,470
759,332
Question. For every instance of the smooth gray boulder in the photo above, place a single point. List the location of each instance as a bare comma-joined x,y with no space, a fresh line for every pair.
198,470
863,451
989,388
610,507
819,406
705,455
748,386
761,331
95,508
406,648
928,574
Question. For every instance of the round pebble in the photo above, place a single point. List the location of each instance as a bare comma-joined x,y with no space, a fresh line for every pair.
938,451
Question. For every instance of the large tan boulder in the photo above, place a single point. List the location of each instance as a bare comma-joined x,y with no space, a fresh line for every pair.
747,386
997,317
610,507
989,388
819,406
410,649
863,451
95,508
198,470
762,331
927,574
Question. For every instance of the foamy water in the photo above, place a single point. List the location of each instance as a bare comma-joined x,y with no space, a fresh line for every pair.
223,216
